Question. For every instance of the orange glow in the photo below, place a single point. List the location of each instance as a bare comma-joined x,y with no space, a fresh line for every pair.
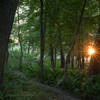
91,51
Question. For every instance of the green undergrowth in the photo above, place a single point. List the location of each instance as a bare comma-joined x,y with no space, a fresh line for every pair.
87,87
17,87
77,82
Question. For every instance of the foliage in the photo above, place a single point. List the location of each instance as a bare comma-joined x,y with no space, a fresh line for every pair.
21,88
61,21
88,87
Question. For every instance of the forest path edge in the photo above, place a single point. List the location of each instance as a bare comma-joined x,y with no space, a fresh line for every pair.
60,93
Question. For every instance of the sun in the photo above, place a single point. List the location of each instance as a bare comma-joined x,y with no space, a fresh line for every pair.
91,51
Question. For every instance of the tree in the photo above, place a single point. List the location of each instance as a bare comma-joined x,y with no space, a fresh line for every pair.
7,10
42,39
73,42
20,42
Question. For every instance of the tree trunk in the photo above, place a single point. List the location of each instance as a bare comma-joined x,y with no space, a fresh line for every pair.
42,39
21,54
79,54
69,61
72,62
72,59
73,42
82,61
55,56
7,13
52,55
20,43
28,49
82,64
62,57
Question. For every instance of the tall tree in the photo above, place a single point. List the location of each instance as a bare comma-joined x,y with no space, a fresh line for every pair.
73,42
7,13
52,55
20,42
42,39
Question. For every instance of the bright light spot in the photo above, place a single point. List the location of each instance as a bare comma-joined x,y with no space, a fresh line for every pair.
91,51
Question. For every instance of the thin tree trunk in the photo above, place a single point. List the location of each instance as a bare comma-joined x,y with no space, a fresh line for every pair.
55,56
72,62
79,54
21,54
20,43
7,13
52,55
73,42
69,61
83,61
28,50
62,57
82,64
42,40
72,59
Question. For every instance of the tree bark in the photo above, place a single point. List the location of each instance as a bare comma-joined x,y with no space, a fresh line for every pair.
55,56
62,57
82,64
52,55
7,13
72,62
42,39
82,61
28,49
21,53
79,54
20,43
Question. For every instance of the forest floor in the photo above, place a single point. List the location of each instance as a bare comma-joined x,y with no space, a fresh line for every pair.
38,91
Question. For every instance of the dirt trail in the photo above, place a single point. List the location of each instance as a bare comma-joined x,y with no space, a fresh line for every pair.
60,93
